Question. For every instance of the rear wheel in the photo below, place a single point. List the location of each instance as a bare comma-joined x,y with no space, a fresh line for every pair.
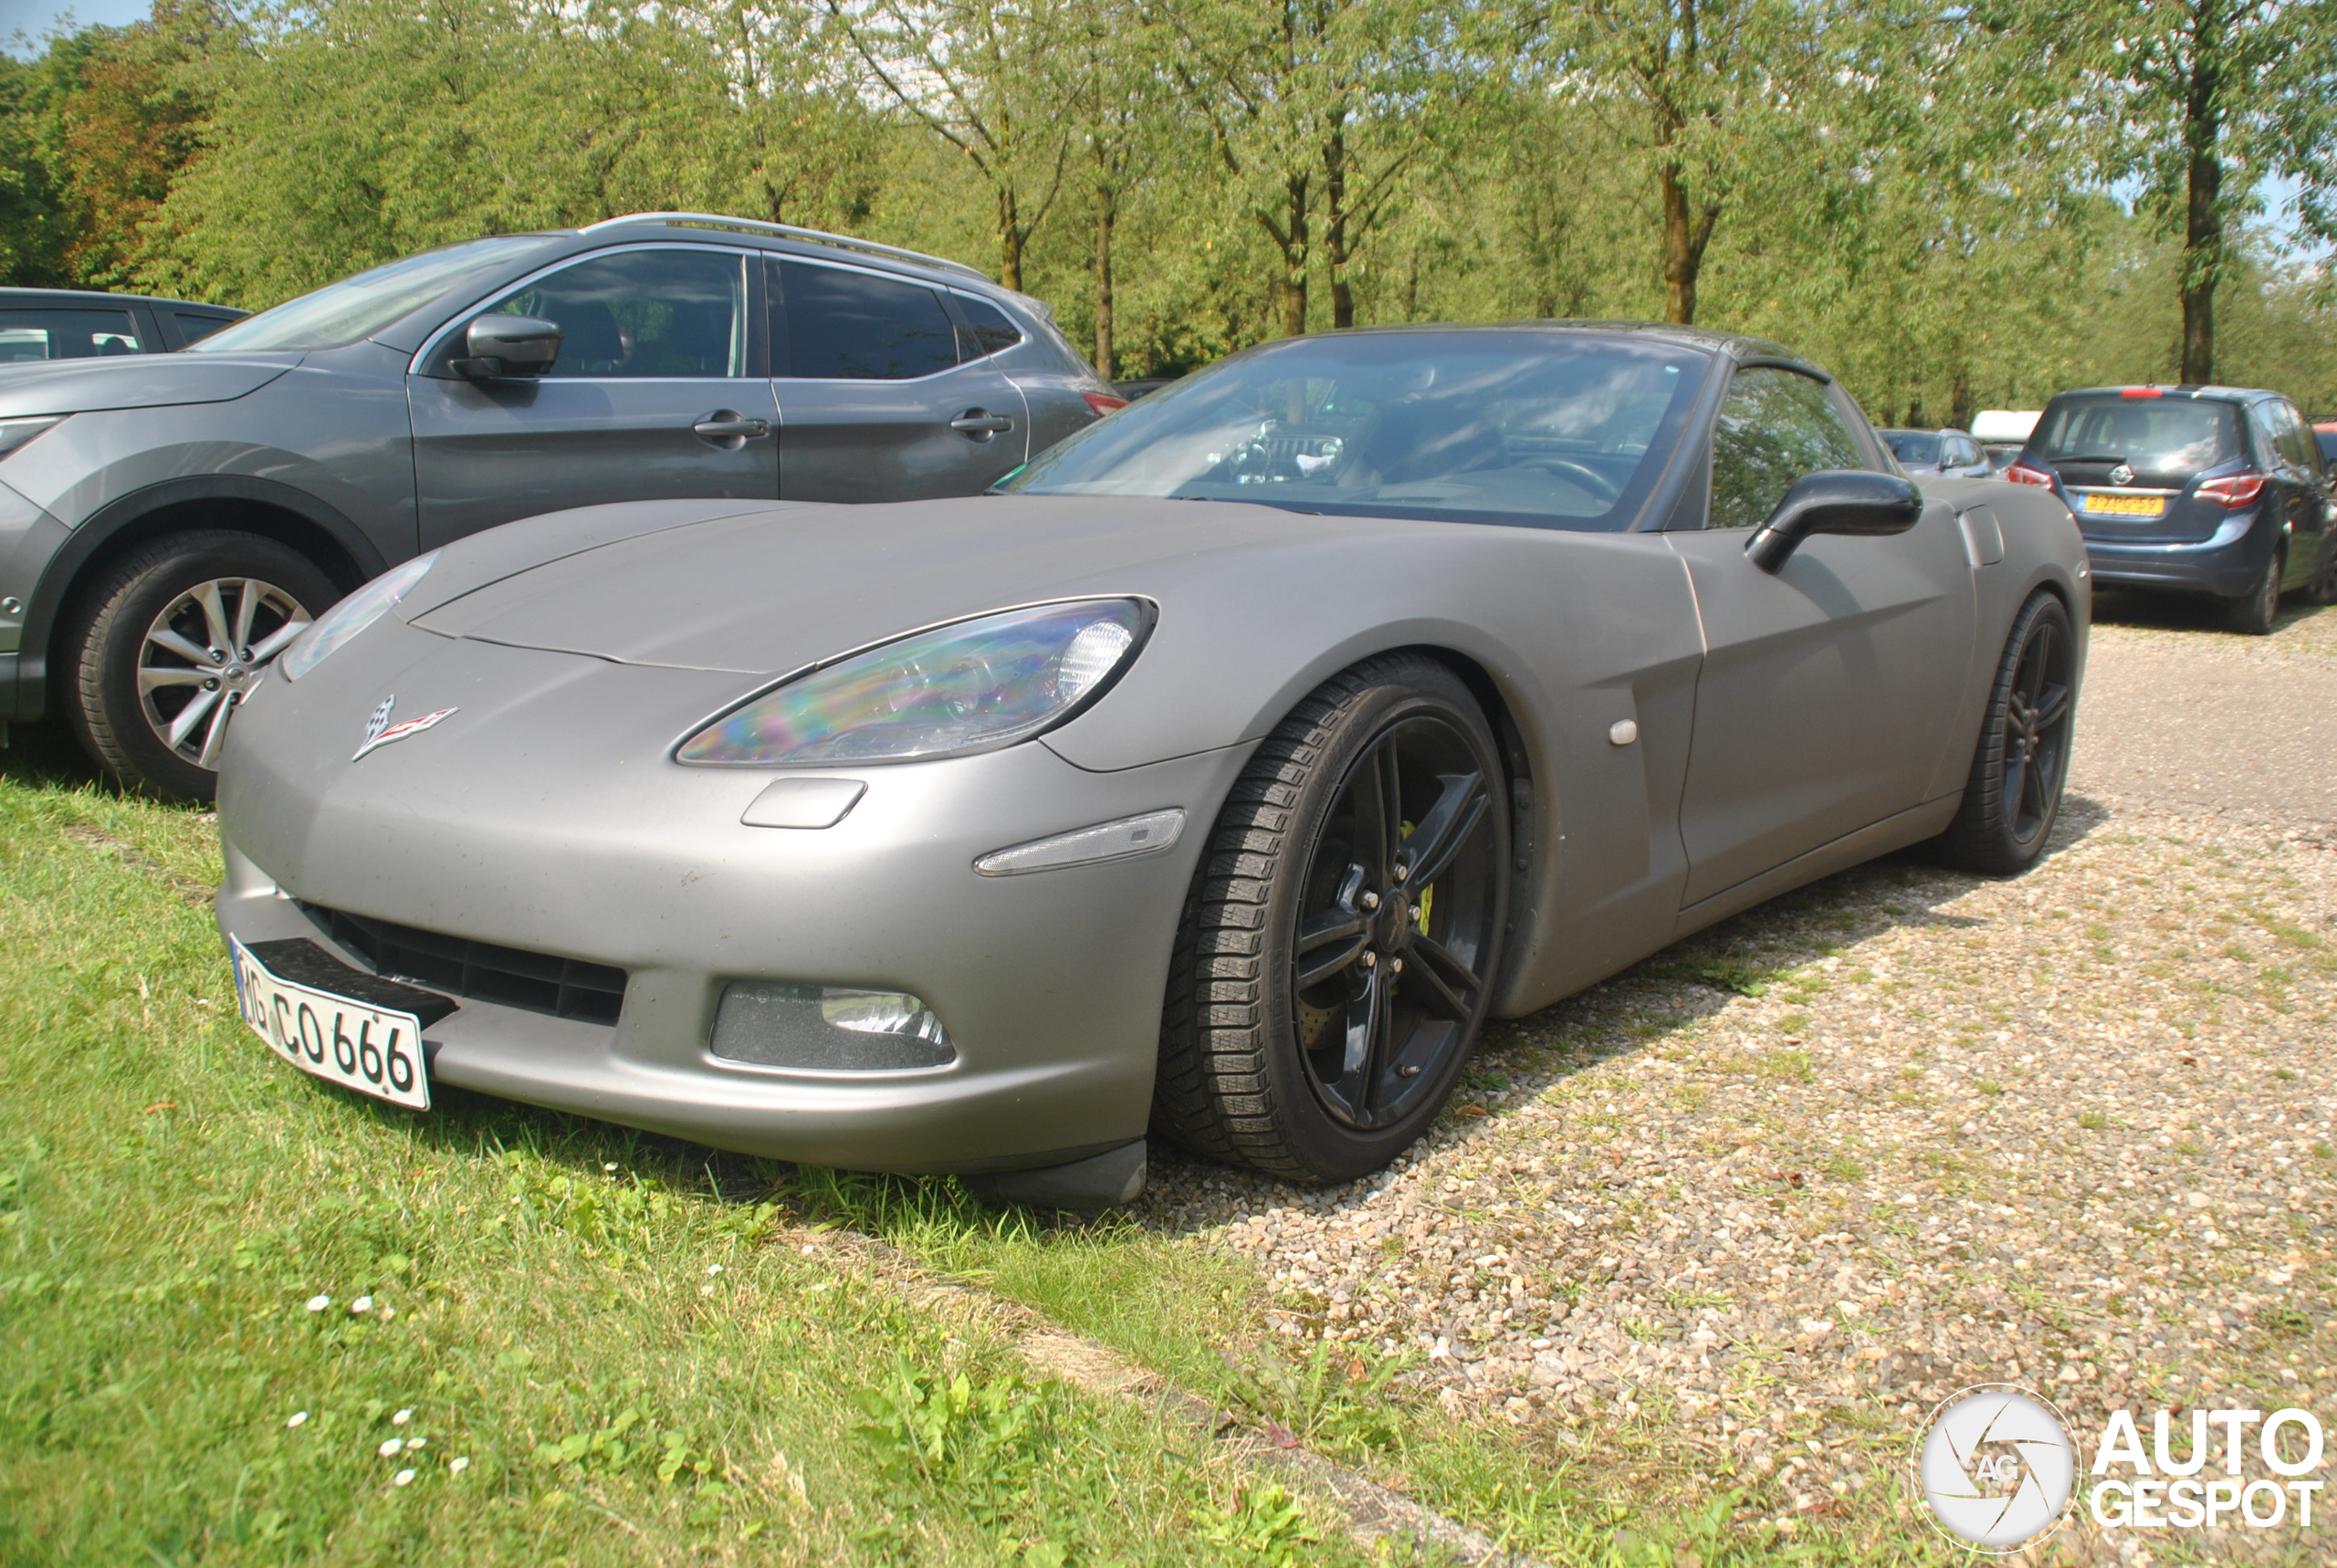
2322,589
2252,613
1337,957
163,646
2014,795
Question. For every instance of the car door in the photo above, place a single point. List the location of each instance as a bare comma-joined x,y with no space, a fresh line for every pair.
659,392
2294,469
1829,689
876,401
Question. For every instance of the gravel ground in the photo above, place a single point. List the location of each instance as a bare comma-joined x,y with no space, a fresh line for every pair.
1750,1208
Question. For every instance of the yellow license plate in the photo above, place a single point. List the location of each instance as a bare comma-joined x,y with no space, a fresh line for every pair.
2125,506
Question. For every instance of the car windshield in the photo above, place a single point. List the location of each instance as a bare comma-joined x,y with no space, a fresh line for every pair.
1562,430
361,306
2156,434
1910,445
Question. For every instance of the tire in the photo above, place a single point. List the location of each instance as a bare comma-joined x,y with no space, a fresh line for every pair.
2322,589
2252,613
1256,1068
2014,795
134,655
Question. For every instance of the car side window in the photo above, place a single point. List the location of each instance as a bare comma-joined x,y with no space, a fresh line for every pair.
2296,439
1776,427
987,330
831,323
642,313
193,329
64,335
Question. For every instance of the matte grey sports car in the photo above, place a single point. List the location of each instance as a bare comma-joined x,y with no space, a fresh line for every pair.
1217,779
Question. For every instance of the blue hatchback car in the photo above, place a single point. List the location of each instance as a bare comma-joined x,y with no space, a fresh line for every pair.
2193,489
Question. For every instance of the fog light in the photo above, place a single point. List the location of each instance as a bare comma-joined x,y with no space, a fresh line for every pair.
830,1029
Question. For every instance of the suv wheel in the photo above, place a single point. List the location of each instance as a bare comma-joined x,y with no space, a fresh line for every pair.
164,644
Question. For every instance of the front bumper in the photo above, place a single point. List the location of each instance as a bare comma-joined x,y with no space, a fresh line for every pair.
1050,984
2227,563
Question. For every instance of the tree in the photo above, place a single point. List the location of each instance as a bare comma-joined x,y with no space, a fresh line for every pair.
2202,99
969,71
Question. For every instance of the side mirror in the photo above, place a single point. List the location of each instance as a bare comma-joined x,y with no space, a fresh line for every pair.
1834,501
504,347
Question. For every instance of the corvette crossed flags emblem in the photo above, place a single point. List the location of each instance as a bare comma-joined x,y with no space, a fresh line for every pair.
379,731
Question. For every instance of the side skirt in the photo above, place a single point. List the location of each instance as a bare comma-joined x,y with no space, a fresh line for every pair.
1910,827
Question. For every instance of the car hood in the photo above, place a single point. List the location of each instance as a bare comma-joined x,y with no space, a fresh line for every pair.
134,381
774,589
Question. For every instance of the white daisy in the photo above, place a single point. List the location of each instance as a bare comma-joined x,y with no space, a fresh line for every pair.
299,1418
319,1303
403,1477
400,1418
389,1445
360,1306
459,1463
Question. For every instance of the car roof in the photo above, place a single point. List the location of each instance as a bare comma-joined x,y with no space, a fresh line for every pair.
24,297
791,239
2148,390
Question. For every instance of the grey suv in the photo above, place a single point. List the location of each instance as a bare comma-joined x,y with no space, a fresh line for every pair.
170,523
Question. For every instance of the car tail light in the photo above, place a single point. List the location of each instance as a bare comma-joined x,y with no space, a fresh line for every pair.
2029,474
2233,491
1104,403
2141,392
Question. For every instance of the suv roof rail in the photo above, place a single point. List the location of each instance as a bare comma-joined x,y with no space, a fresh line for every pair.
817,237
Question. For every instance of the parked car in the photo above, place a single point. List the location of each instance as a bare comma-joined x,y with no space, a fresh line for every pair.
43,324
167,526
1937,454
2002,433
2324,436
1346,693
2212,490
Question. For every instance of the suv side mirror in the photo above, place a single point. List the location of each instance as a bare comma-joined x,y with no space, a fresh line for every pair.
1834,501
504,347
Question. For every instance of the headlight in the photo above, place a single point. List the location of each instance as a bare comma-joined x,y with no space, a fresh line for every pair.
965,688
15,432
352,615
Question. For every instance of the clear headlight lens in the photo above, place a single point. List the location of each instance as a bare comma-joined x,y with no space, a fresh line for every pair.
973,686
352,615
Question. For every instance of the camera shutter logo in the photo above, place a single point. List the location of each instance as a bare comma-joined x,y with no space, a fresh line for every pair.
1996,1466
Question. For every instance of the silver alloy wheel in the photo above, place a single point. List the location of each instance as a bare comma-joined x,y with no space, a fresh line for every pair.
203,651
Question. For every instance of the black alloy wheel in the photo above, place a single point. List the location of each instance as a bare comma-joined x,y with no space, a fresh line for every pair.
2014,793
1339,952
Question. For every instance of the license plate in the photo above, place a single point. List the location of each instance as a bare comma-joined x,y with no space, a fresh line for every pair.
373,1049
2113,505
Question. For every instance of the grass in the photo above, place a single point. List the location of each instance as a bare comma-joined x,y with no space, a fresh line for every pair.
604,1328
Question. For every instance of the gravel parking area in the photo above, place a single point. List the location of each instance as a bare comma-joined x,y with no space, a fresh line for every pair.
1749,1208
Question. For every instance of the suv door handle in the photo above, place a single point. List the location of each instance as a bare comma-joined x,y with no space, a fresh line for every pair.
723,426
981,422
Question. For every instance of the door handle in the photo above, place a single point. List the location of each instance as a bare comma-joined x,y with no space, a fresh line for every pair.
723,426
981,422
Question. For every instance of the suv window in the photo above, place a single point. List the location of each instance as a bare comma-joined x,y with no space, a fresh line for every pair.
65,334
1776,426
988,330
831,323
642,313
193,329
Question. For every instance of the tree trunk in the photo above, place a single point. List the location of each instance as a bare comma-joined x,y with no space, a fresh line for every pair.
1685,235
1291,238
1009,240
1335,228
2203,229
1959,399
1106,214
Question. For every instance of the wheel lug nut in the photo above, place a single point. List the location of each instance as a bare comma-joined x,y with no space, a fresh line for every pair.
1370,959
218,655
1408,1071
211,685
1402,872
1371,901
1395,965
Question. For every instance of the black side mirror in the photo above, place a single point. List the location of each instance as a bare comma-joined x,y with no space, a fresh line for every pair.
504,346
1834,501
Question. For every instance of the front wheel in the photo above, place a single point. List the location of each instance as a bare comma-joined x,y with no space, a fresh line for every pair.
1340,945
2014,794
165,645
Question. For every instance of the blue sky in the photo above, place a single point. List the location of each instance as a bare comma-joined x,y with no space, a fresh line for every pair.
36,17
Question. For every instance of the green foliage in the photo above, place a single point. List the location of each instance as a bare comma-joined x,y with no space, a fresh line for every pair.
1264,1528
